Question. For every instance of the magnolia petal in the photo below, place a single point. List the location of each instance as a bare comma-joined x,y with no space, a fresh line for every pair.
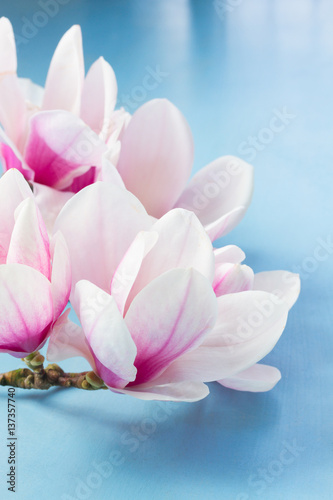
182,243
65,77
107,334
32,92
26,311
156,155
229,254
99,97
8,59
283,284
99,224
61,147
248,326
169,317
12,109
257,378
50,202
67,340
109,173
219,194
128,269
11,157
232,278
61,278
184,391
29,242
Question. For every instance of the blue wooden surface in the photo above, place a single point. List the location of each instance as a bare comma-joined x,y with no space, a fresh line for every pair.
230,67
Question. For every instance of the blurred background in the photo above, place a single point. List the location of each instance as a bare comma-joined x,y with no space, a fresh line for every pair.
235,68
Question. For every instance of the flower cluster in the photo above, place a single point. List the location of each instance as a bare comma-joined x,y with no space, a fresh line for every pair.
96,207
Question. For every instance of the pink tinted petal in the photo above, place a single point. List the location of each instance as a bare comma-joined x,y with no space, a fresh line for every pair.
8,60
99,97
232,278
229,254
12,158
257,378
182,243
50,202
29,242
25,309
61,278
67,340
107,335
248,326
283,284
12,109
128,269
99,224
219,194
109,173
83,180
156,155
66,74
33,93
169,317
184,391
61,147
13,190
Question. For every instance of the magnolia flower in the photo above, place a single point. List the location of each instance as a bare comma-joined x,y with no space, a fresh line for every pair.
35,275
161,311
68,136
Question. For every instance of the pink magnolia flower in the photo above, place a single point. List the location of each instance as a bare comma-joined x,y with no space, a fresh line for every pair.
68,136
161,312
35,274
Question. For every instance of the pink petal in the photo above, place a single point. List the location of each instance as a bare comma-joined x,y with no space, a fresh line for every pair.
248,326
109,173
182,243
13,190
12,158
50,202
219,194
257,378
67,340
8,60
183,391
60,148
232,278
128,269
99,97
61,278
99,224
283,284
29,244
66,74
107,335
229,254
12,109
25,309
156,155
169,317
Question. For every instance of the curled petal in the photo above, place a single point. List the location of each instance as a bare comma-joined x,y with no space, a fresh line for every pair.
156,155
230,254
183,391
283,284
60,148
219,194
257,378
107,335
